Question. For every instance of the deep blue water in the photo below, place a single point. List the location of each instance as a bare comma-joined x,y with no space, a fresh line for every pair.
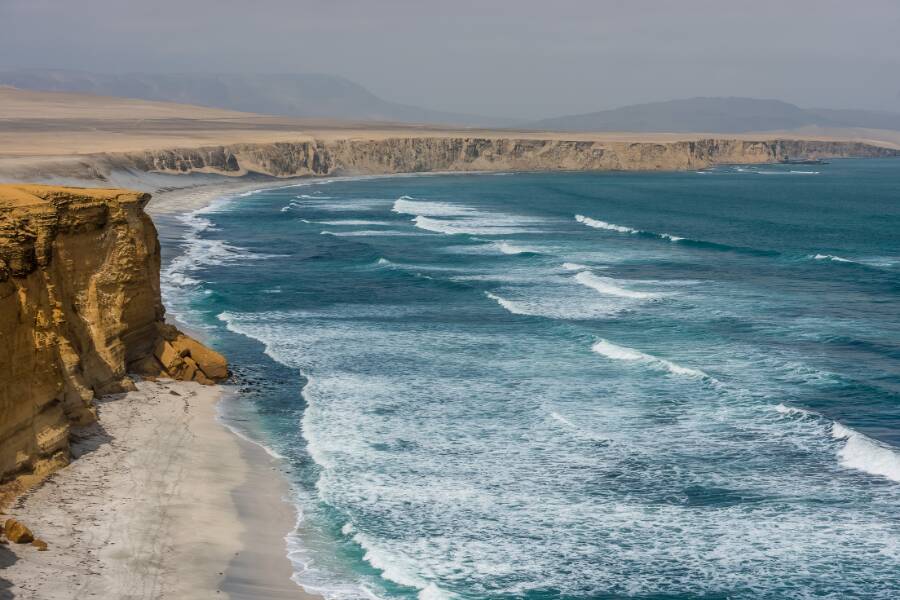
570,385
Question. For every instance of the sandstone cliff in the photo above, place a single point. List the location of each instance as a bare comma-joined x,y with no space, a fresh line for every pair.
423,153
79,308
357,153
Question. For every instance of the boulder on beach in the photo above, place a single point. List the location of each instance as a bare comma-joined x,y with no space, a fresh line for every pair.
17,532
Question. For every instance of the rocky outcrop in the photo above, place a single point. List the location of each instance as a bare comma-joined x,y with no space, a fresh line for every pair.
17,532
419,154
79,308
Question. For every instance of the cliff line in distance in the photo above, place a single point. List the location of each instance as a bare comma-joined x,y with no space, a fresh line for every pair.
425,153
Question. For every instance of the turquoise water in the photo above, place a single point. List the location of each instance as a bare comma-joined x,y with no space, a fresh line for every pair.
579,385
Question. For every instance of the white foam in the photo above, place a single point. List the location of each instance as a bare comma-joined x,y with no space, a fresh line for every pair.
353,222
862,453
574,266
616,352
399,569
507,248
371,233
831,257
409,206
606,285
791,410
485,224
596,224
671,238
563,420
513,307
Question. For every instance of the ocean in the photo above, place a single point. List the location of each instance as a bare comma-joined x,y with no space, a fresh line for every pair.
568,385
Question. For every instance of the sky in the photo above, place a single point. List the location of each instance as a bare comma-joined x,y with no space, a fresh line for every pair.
515,58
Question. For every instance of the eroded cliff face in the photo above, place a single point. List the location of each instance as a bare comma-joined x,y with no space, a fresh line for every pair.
420,154
79,308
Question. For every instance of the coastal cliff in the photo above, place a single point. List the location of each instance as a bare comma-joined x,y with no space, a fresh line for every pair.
421,154
80,308
339,153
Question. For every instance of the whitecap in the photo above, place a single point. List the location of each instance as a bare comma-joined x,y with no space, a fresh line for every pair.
616,352
831,257
471,226
399,569
596,224
370,233
606,285
507,248
352,222
513,307
671,238
410,206
574,266
862,453
793,411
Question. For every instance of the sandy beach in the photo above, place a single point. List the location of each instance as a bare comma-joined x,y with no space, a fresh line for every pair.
162,501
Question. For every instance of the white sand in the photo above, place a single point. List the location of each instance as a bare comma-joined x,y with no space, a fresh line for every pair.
162,502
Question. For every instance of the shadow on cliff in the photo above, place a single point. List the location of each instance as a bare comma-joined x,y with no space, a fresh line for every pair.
84,440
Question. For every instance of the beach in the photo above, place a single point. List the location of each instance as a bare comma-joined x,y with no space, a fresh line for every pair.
161,501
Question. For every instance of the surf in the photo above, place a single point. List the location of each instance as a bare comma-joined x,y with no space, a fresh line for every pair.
609,286
616,352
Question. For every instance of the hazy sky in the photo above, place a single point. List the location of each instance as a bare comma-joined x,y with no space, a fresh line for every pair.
524,58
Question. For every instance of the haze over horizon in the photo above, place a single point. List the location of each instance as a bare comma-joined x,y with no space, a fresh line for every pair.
524,60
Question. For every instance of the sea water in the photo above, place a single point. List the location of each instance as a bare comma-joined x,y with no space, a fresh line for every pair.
569,385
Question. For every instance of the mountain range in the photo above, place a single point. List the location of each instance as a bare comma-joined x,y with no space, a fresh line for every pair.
327,96
719,115
315,96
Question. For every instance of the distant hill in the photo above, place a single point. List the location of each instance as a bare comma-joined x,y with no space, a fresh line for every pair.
719,115
311,95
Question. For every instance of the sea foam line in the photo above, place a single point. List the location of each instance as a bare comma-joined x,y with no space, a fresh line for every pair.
608,286
859,452
597,224
513,307
832,257
507,248
675,239
616,352
862,453
398,569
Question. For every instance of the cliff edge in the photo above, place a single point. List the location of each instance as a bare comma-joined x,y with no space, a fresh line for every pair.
80,308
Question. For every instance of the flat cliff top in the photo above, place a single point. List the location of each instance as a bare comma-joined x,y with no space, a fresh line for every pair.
19,196
53,124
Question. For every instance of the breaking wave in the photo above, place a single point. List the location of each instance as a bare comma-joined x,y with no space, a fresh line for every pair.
832,257
507,248
597,224
858,452
862,453
616,352
609,286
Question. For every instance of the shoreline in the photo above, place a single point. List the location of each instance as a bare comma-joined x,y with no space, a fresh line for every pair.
214,512
161,500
